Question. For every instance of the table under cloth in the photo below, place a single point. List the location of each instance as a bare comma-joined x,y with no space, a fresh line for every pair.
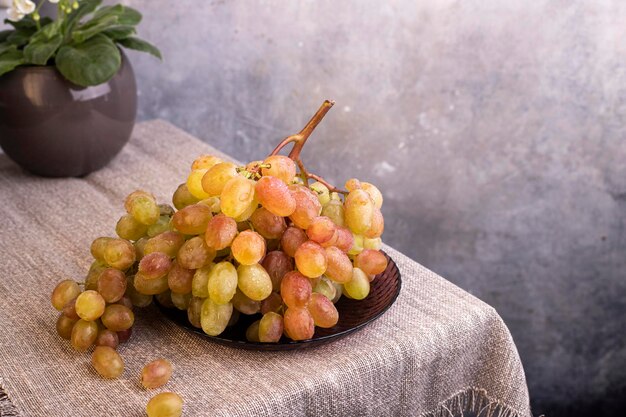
438,351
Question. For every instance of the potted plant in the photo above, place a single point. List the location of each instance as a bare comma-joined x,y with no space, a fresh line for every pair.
68,97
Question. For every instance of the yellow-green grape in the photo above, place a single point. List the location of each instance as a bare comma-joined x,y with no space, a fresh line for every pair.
248,247
220,232
111,285
200,282
91,280
65,291
359,286
155,265
194,311
254,281
325,287
237,196
359,210
213,203
130,229
119,254
165,404
192,220
323,311
156,373
107,362
353,184
138,299
339,267
98,246
194,184
181,301
277,263
245,304
338,291
272,303
345,239
268,224
143,207
270,328
334,211
281,167
357,245
205,162
248,212
375,243
182,197
195,253
215,317
322,191
222,282
292,239
298,323
370,261
65,326
321,230
274,195
165,299
140,247
252,332
308,206
217,176
84,334
375,194
164,224
117,317
108,338
166,210
180,279
297,181
150,286
90,305
295,289
311,259
168,243
378,225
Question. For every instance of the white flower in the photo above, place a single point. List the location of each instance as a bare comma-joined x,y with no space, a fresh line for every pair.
24,6
14,15
53,1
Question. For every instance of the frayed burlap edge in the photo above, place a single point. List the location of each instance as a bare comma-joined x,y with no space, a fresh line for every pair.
476,402
7,409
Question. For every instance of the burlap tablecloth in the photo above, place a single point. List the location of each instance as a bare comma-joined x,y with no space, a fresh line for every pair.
437,352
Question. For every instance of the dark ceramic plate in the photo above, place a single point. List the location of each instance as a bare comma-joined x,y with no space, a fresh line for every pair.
353,315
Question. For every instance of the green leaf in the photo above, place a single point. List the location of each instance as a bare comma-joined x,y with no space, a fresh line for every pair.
90,63
44,44
26,23
126,15
93,27
4,34
20,37
4,47
119,32
85,7
140,45
9,60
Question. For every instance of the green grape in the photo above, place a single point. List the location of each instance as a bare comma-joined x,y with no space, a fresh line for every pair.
237,196
165,404
98,246
194,183
248,211
65,291
166,210
194,310
375,243
125,335
222,282
272,303
111,285
192,220
267,224
91,280
322,191
308,206
252,332
65,326
217,176
359,210
359,286
167,242
357,245
295,289
119,254
143,207
277,264
90,305
270,328
150,286
215,317
321,230
107,362
254,281
164,224
180,279
298,324
181,301
334,211
156,373
338,291
200,282
117,317
220,232
281,167
339,267
325,287
108,338
245,304
292,239
323,311
205,162
155,265
274,195
248,247
69,310
370,261
377,227
374,194
195,254
182,197
213,203
84,334
140,247
311,259
138,299
130,229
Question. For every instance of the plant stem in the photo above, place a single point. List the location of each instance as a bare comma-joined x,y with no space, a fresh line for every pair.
328,185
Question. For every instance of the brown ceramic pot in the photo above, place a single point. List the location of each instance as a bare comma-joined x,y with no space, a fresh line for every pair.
54,128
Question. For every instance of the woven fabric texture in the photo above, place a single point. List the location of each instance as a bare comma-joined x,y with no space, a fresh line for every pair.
437,352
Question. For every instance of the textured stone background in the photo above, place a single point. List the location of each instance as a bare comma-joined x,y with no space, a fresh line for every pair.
495,128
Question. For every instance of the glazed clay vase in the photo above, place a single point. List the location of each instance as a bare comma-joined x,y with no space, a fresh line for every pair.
54,128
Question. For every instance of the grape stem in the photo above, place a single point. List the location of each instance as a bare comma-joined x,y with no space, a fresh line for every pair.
300,139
